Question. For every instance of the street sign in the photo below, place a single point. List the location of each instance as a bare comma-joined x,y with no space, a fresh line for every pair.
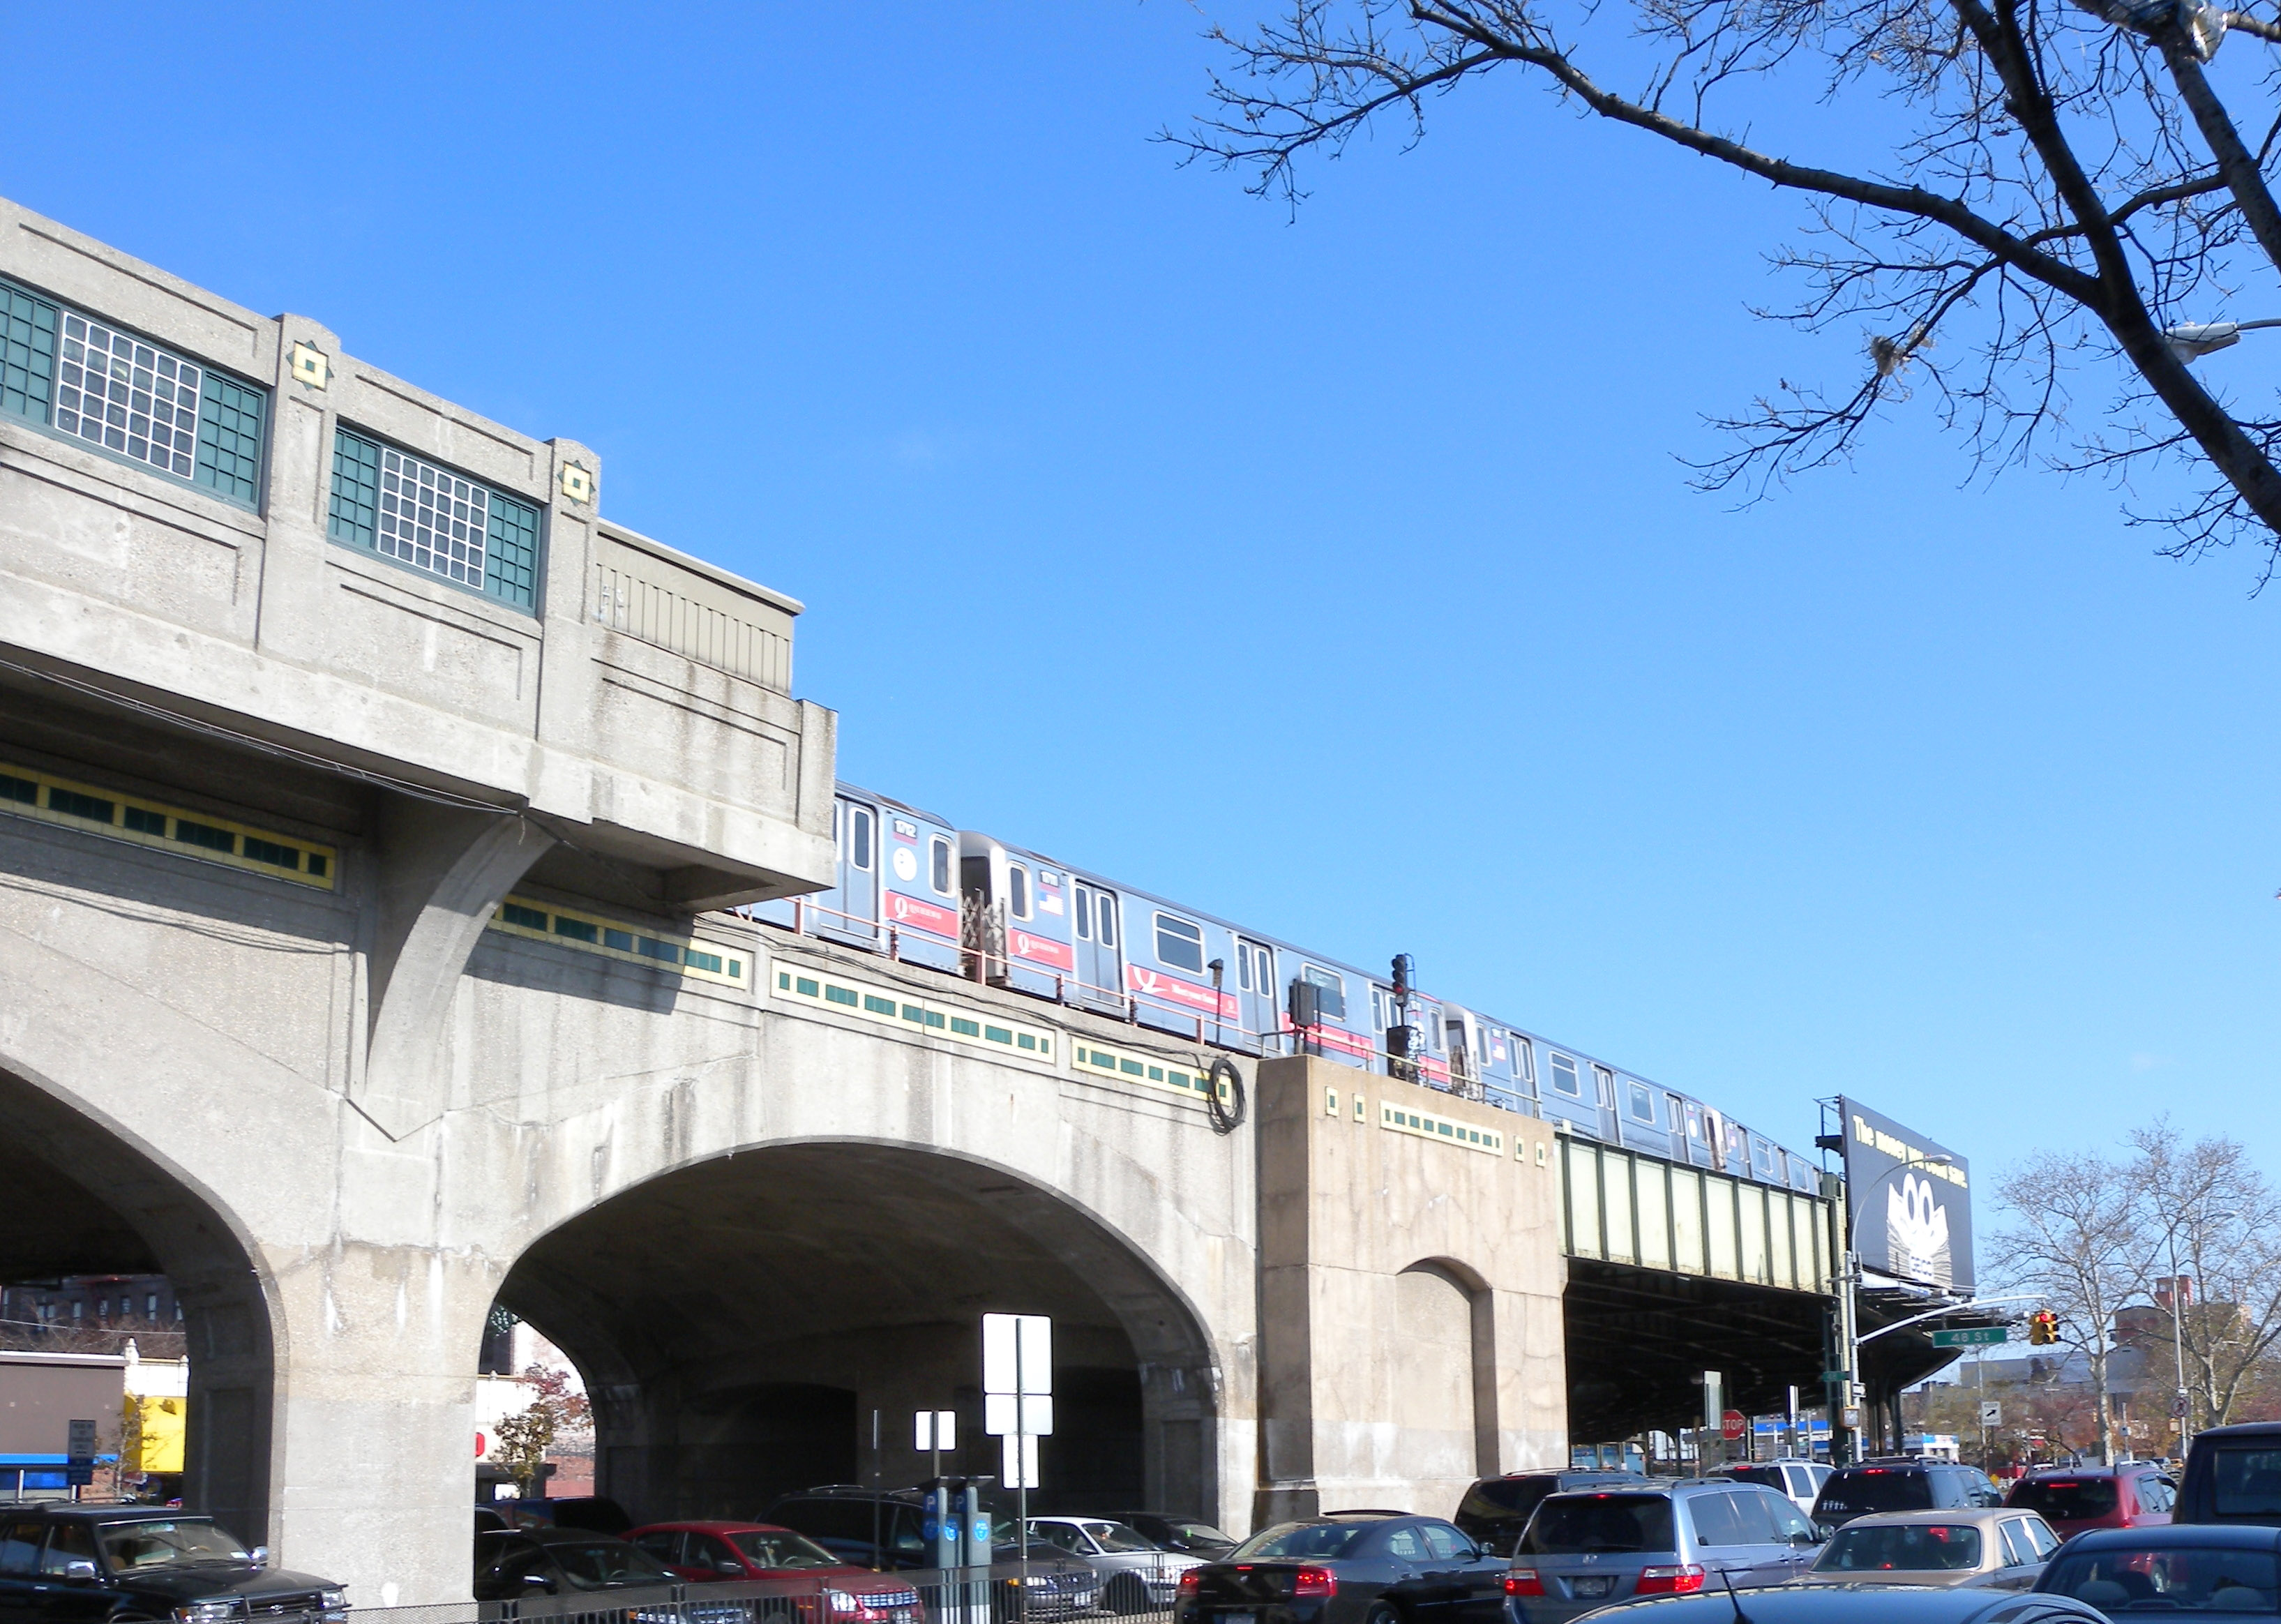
1017,1395
936,1429
1730,1425
1972,1336
82,1440
1020,1469
1991,1413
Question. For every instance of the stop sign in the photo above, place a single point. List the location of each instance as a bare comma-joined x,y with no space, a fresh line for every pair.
1730,1425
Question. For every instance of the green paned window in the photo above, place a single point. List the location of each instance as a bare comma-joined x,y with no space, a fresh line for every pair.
430,519
1131,1067
1106,1062
915,1015
736,967
142,821
317,864
1156,1074
110,392
1442,1129
704,960
94,808
269,851
878,1006
18,789
933,1019
783,981
1179,1079
1045,1046
218,839
998,1035
965,1028
653,948
27,354
1028,1041
621,940
528,918
832,994
808,988
577,930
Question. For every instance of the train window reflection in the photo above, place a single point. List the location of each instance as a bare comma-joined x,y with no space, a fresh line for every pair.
1643,1104
1333,1000
1017,890
1179,943
939,871
858,837
1564,1077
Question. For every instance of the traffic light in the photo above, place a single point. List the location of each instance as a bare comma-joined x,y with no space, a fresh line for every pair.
2043,1327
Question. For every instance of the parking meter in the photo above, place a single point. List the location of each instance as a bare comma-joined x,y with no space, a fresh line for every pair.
957,1530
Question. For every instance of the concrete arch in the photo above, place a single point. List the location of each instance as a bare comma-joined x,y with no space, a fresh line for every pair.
739,1314
1481,1372
88,1195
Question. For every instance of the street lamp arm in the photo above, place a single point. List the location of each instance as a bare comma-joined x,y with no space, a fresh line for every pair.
1953,1308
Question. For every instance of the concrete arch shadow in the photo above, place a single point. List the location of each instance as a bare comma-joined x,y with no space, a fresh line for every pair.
88,1197
739,1318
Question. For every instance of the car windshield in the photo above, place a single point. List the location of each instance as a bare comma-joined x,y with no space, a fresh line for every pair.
778,1550
1770,1476
1198,1533
603,1564
1877,1488
2067,1499
1115,1536
134,1546
1907,1547
1318,1540
1567,1524
2167,1579
2246,1482
1495,1495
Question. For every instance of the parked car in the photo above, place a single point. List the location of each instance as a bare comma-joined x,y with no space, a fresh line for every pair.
2233,1474
1348,1567
594,1513
2004,1549
1137,1575
883,1529
2182,1568
1197,1539
781,1567
1801,1480
1901,1486
2133,1495
1582,1551
543,1561
1890,1604
71,1564
1495,1510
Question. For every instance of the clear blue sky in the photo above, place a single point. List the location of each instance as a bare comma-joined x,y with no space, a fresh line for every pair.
1335,575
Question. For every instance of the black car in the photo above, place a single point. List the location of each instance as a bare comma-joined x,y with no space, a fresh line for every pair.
2171,1568
2233,1474
84,1563
1860,1604
1497,1509
1901,1485
593,1513
1348,1567
1197,1539
525,1562
884,1529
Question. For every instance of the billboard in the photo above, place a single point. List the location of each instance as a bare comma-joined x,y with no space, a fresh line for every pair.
1912,1215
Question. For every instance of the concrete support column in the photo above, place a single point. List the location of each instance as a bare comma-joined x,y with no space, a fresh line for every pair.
373,1428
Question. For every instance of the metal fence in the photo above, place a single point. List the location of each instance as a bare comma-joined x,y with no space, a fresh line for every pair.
929,1598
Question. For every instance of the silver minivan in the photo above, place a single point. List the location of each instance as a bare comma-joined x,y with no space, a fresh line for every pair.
1585,1550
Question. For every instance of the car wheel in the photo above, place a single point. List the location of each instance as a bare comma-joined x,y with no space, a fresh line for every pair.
1127,1595
1382,1613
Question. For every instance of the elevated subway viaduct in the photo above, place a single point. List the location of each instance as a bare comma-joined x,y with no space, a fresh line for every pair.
369,805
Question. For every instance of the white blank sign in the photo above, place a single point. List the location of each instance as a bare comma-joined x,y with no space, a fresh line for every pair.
937,1429
1017,1353
1033,1416
1021,1459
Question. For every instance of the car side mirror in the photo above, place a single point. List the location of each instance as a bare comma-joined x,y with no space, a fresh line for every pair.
80,1567
727,1565
538,1581
1807,1536
261,1556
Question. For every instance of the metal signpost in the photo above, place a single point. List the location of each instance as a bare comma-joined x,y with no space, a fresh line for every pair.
1017,1406
78,1468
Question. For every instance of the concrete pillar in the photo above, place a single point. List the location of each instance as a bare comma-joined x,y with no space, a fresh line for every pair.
1368,1227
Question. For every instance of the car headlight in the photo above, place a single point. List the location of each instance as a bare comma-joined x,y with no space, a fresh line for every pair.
332,1601
219,1611
840,1601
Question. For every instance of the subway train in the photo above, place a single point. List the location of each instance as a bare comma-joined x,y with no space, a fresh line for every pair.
912,886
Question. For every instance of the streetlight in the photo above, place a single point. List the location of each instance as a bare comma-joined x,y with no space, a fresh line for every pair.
1852,1328
2190,341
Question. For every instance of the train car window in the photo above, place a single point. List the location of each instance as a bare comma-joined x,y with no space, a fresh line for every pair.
1606,1081
1380,1018
1179,943
1332,1000
939,864
1017,890
1105,918
1084,913
1524,1059
858,837
1643,1104
1263,974
1695,1122
1243,968
1762,1156
1564,1079
1480,1043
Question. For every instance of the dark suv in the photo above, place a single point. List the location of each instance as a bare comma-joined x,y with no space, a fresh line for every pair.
1901,1484
80,1563
884,1529
2233,1474
1495,1510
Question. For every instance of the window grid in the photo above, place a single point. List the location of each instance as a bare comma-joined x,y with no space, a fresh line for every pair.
438,523
229,439
27,354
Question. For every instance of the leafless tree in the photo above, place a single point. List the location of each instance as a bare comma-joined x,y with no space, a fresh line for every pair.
2223,1219
2076,1234
2071,186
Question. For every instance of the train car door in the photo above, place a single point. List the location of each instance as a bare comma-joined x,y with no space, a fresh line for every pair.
1258,1006
1100,959
850,910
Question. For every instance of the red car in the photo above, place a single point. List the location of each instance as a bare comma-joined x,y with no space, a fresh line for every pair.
2134,1495
818,1587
